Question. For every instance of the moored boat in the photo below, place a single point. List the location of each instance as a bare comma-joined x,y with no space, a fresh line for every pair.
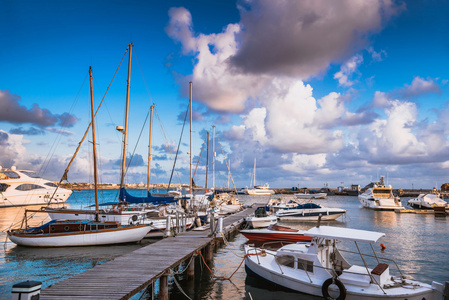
261,219
309,212
310,196
319,268
380,197
427,201
276,233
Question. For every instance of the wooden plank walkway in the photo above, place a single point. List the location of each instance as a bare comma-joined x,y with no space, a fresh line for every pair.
125,276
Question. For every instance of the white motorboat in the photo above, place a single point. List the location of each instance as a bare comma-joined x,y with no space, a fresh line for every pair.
261,219
427,201
309,212
225,203
319,268
380,197
21,187
310,196
258,190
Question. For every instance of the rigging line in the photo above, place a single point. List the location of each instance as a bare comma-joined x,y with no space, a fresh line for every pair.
179,144
58,138
166,140
143,77
134,151
229,170
197,163
64,176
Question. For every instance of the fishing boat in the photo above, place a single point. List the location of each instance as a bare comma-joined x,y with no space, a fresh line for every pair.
309,212
276,233
319,268
261,219
380,197
259,190
427,201
64,233
23,187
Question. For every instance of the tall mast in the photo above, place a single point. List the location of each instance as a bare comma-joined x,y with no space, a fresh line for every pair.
213,157
190,103
254,172
94,144
125,131
207,158
149,149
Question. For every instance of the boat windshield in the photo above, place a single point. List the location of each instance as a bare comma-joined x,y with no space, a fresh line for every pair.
379,192
31,174
9,175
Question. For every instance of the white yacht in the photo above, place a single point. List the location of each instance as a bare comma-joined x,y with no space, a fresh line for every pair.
21,187
427,201
260,190
380,197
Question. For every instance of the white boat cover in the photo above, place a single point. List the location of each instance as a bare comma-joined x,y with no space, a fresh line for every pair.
348,234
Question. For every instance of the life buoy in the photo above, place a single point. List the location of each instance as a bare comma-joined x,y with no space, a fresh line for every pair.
339,284
117,208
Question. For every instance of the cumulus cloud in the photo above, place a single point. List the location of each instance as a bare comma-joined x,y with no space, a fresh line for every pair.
11,111
347,70
419,87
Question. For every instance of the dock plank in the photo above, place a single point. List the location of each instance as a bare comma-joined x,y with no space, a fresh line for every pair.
125,276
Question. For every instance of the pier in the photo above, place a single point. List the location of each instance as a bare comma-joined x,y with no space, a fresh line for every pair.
125,276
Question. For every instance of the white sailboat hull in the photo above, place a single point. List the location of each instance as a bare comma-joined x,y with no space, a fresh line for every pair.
83,238
261,222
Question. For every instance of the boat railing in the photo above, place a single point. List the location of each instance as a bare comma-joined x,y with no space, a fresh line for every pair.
377,257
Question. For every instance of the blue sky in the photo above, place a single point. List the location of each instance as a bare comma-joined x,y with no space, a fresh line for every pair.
318,92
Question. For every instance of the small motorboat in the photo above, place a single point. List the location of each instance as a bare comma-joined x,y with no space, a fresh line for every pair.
261,219
427,201
309,212
276,233
319,268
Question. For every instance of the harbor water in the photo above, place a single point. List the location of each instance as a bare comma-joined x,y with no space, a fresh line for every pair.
418,243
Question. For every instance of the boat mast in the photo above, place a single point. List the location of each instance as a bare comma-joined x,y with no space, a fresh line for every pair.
207,157
94,144
213,157
190,103
149,149
125,131
254,172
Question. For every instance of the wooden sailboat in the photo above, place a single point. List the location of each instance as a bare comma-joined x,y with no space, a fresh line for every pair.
63,233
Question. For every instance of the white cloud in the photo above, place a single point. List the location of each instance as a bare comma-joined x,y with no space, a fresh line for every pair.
347,70
420,86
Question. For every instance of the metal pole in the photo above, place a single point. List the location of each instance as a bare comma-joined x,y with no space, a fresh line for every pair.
190,102
207,158
213,157
149,150
94,145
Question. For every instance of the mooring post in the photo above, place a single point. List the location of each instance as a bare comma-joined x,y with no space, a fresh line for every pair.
177,222
163,287
27,290
209,252
167,227
212,223
184,222
220,227
191,268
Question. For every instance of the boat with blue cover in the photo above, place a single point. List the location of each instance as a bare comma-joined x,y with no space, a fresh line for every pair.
309,212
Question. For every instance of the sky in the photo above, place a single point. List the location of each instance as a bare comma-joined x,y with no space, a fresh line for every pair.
315,92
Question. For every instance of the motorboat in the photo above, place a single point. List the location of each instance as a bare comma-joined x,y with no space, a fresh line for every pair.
261,219
319,268
225,203
427,201
380,197
309,212
276,233
310,196
22,187
275,204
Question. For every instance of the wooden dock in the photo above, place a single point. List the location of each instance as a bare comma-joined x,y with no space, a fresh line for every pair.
125,276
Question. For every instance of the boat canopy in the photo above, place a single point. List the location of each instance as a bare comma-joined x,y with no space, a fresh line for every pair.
347,234
124,196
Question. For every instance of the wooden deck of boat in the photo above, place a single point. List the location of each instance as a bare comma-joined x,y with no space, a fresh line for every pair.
124,276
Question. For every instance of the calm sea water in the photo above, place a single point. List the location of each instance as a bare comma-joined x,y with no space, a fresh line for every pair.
418,243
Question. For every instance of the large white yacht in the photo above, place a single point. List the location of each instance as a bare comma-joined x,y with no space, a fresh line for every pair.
260,190
380,197
21,187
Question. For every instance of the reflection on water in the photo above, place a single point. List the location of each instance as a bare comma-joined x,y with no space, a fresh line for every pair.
418,243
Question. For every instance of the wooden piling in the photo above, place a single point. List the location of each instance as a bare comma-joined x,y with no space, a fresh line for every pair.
163,287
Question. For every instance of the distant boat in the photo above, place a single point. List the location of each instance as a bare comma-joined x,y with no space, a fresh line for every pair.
380,197
21,187
64,233
259,190
427,201
310,196
309,212
276,233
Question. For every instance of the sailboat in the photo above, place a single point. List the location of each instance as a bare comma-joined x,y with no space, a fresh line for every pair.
259,190
63,233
